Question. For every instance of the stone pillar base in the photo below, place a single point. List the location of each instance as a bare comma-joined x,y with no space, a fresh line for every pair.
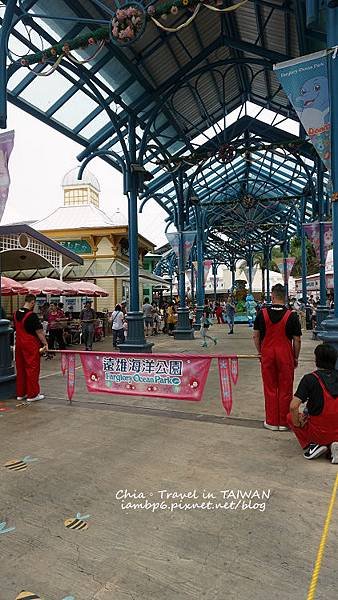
136,341
329,333
7,371
183,330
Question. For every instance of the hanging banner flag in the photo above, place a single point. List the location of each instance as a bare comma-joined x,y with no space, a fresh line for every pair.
234,369
227,372
290,261
161,376
63,363
280,264
188,242
312,231
207,266
6,147
328,238
254,271
305,82
70,375
174,241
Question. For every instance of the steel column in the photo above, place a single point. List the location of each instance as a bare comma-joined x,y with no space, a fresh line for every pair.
4,35
214,272
331,325
192,275
183,330
285,270
233,276
200,268
267,252
250,271
135,341
304,264
7,371
321,213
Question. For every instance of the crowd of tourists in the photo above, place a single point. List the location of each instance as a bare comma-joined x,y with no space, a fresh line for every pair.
311,412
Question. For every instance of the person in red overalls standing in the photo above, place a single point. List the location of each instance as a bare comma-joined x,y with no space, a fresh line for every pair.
277,334
316,423
30,341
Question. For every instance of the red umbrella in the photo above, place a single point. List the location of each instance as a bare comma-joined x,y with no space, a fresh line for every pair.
46,285
9,287
87,288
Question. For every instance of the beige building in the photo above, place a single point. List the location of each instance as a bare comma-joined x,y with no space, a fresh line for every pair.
100,239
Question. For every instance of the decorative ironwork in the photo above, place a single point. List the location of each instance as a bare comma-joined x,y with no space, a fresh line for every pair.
25,242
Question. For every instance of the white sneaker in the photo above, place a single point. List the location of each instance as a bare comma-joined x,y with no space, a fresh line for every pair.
271,427
283,428
334,453
21,397
38,397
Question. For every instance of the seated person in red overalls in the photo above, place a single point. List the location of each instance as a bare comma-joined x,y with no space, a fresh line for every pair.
314,409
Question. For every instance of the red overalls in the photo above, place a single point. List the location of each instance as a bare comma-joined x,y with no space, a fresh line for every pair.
277,366
27,359
321,429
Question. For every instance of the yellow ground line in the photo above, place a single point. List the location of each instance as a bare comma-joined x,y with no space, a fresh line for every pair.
320,553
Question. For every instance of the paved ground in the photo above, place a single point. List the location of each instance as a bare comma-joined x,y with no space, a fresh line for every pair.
102,444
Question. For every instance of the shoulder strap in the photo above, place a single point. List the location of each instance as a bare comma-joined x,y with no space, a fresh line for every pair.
25,317
286,316
266,316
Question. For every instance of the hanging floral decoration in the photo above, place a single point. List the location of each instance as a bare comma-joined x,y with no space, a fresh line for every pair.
226,153
127,26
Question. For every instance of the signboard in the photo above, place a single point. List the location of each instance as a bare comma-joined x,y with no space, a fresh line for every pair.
176,376
161,376
78,246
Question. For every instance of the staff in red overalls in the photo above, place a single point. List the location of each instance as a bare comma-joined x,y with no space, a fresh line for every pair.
30,340
316,426
277,335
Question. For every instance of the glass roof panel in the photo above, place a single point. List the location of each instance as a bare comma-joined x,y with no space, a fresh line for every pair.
132,93
95,125
43,91
75,110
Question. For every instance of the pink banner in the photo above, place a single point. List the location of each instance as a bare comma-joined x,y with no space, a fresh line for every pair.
234,369
63,363
290,261
6,147
207,265
70,375
161,376
188,242
225,383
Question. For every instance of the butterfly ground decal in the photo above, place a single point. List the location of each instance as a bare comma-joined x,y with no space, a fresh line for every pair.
79,523
20,465
5,529
30,596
